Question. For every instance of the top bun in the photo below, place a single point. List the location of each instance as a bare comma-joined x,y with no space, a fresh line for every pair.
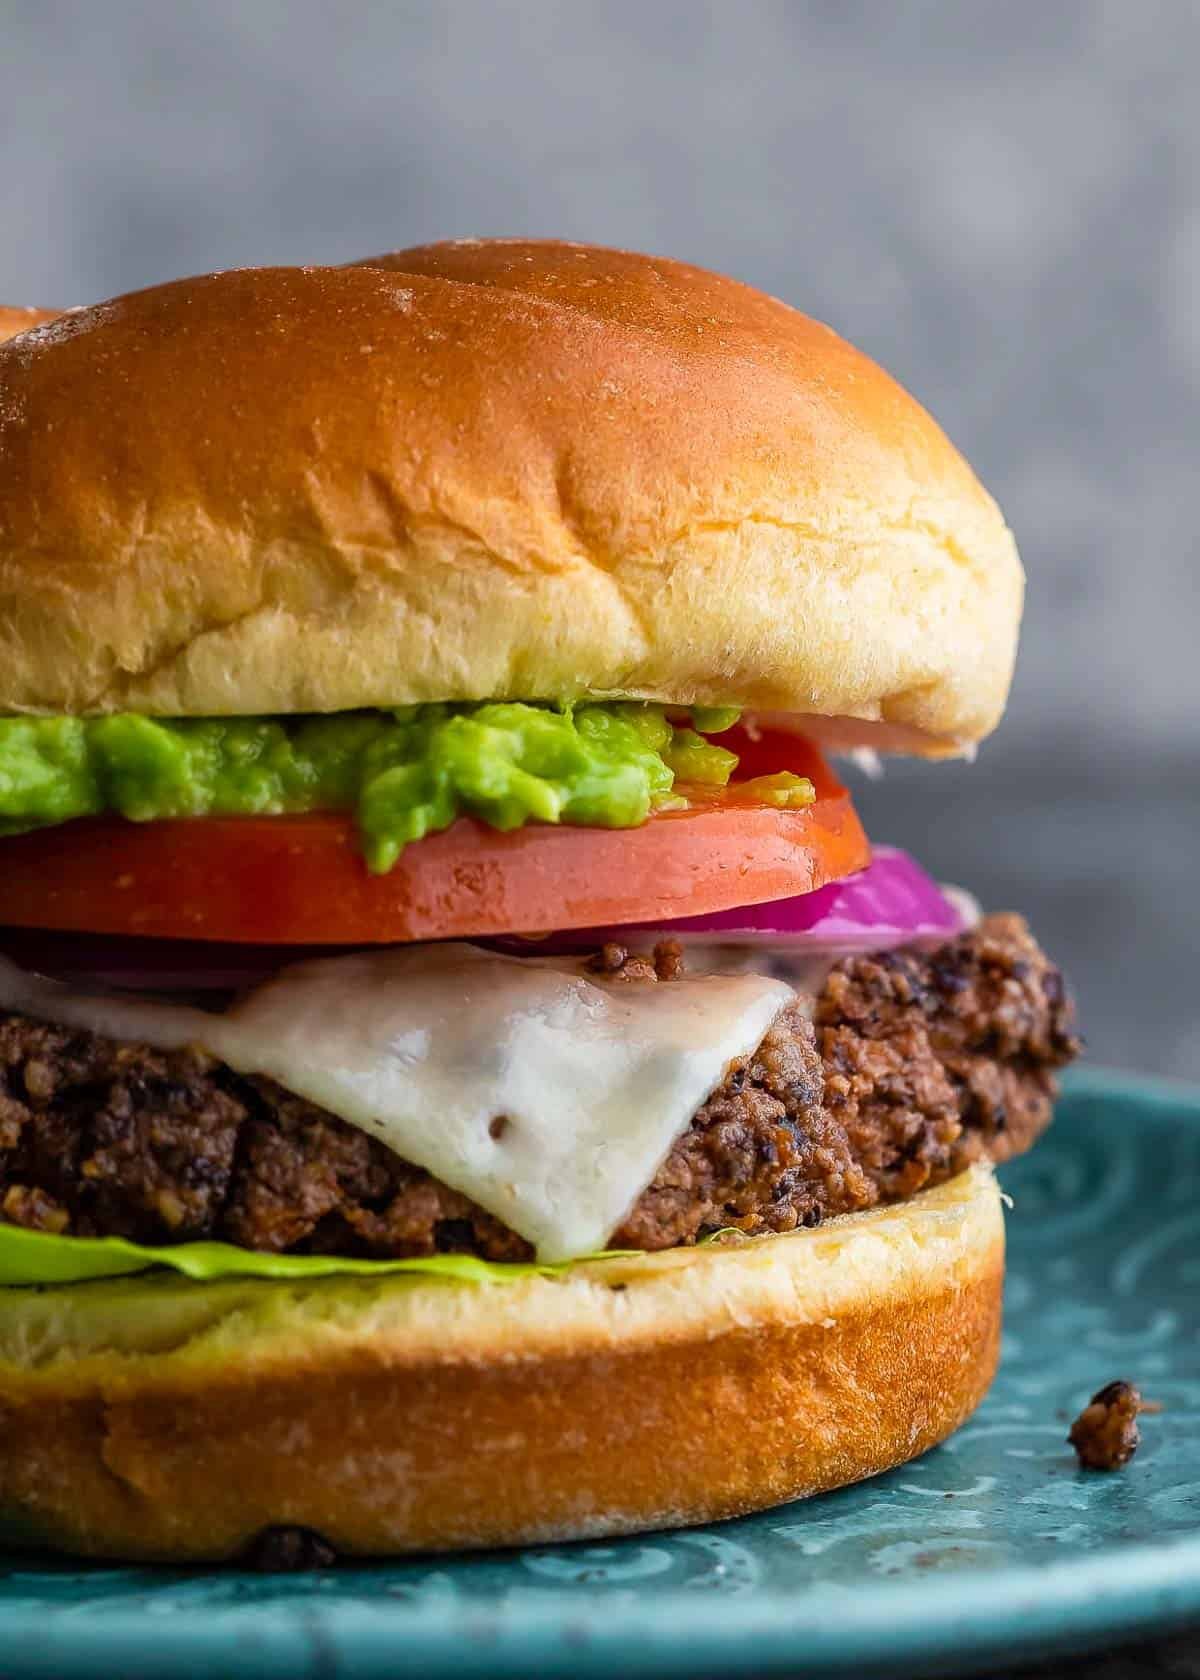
486,469
14,321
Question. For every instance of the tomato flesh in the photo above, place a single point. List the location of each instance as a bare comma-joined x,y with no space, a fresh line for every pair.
301,880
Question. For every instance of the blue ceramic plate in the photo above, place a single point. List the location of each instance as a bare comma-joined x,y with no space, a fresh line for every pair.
992,1547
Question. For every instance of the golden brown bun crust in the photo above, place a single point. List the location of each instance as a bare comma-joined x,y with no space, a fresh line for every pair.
14,321
491,469
177,1421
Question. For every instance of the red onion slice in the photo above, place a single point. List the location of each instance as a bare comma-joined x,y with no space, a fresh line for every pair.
110,963
892,902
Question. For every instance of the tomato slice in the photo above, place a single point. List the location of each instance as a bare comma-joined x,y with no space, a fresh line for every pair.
301,880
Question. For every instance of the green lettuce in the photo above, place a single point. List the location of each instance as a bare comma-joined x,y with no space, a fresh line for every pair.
31,1257
404,773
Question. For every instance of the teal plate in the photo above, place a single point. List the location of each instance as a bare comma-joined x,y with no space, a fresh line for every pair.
994,1547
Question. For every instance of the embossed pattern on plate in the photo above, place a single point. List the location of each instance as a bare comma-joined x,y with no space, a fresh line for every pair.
993,1546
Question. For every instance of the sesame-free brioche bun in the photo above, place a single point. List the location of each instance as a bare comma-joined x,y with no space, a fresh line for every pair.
163,1419
489,469
14,321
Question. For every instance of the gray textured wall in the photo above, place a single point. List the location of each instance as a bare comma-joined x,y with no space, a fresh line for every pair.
999,201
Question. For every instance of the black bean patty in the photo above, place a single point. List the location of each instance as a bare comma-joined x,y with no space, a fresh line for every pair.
917,1063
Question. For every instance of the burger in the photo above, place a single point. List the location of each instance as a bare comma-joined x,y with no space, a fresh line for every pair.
465,1076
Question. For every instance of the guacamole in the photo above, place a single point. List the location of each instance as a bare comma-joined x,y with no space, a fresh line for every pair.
404,773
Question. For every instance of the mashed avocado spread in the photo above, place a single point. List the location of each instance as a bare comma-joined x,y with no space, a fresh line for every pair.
404,773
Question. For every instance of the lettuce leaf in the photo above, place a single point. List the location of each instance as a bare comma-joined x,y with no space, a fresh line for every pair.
32,1257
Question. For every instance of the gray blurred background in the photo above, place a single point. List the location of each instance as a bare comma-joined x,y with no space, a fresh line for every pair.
1000,202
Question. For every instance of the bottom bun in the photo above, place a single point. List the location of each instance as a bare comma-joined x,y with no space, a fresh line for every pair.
154,1418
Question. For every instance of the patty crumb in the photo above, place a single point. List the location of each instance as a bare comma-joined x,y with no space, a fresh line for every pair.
1105,1435
281,1549
618,962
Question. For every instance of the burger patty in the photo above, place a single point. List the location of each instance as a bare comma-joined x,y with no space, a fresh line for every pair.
915,1064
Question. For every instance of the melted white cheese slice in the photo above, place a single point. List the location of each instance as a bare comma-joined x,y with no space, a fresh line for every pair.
428,1048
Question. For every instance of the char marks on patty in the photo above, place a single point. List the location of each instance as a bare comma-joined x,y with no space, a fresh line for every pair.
916,1064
